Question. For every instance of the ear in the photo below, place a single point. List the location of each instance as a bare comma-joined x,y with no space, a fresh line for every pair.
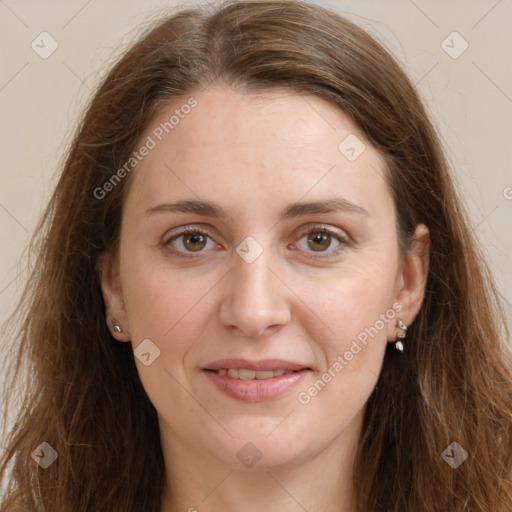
113,296
412,280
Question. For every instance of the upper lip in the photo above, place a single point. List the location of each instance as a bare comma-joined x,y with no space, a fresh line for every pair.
263,364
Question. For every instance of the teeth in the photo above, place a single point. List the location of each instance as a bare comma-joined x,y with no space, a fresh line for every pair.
264,374
245,374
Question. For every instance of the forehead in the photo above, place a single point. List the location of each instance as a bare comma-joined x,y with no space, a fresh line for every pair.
276,141
281,120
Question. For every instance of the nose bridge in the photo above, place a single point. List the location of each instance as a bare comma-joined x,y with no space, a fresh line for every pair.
254,300
254,277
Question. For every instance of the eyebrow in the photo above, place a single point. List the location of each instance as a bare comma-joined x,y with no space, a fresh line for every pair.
294,210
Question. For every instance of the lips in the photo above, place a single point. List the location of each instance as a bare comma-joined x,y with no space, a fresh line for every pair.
247,374
263,365
254,381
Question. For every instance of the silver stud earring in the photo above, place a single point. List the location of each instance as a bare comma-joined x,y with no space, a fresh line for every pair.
401,336
117,328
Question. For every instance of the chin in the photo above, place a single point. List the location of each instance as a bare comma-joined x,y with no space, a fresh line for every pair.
261,450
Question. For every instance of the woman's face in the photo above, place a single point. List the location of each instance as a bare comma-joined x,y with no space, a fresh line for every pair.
266,321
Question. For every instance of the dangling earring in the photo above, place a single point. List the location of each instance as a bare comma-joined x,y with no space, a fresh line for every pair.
116,327
401,336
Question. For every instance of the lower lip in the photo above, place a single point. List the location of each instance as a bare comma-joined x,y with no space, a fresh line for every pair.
254,390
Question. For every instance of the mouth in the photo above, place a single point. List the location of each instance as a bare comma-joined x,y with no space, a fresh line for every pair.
255,381
246,374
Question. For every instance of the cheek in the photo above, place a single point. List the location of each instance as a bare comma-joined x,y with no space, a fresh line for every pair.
352,313
351,301
161,304
169,308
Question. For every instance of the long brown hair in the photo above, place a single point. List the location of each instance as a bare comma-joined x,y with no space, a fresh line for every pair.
80,390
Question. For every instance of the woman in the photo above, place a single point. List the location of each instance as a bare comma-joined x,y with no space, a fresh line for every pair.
257,289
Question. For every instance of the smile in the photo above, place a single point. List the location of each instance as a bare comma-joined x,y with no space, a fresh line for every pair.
255,381
245,374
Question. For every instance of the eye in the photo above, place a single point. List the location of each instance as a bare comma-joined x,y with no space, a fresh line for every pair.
320,239
189,240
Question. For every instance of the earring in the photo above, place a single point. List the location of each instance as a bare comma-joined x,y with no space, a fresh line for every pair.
116,327
401,336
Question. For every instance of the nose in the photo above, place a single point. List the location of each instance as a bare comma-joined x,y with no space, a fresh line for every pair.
255,301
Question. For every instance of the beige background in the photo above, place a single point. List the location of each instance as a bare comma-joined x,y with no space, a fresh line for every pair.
470,98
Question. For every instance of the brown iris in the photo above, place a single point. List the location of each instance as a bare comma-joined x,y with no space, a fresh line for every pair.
194,241
319,240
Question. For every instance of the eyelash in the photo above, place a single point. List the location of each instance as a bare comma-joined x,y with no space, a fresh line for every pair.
342,239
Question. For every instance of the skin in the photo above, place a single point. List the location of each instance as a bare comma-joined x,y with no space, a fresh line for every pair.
253,155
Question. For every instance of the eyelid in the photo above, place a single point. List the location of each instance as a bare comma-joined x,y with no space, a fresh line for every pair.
336,232
184,230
